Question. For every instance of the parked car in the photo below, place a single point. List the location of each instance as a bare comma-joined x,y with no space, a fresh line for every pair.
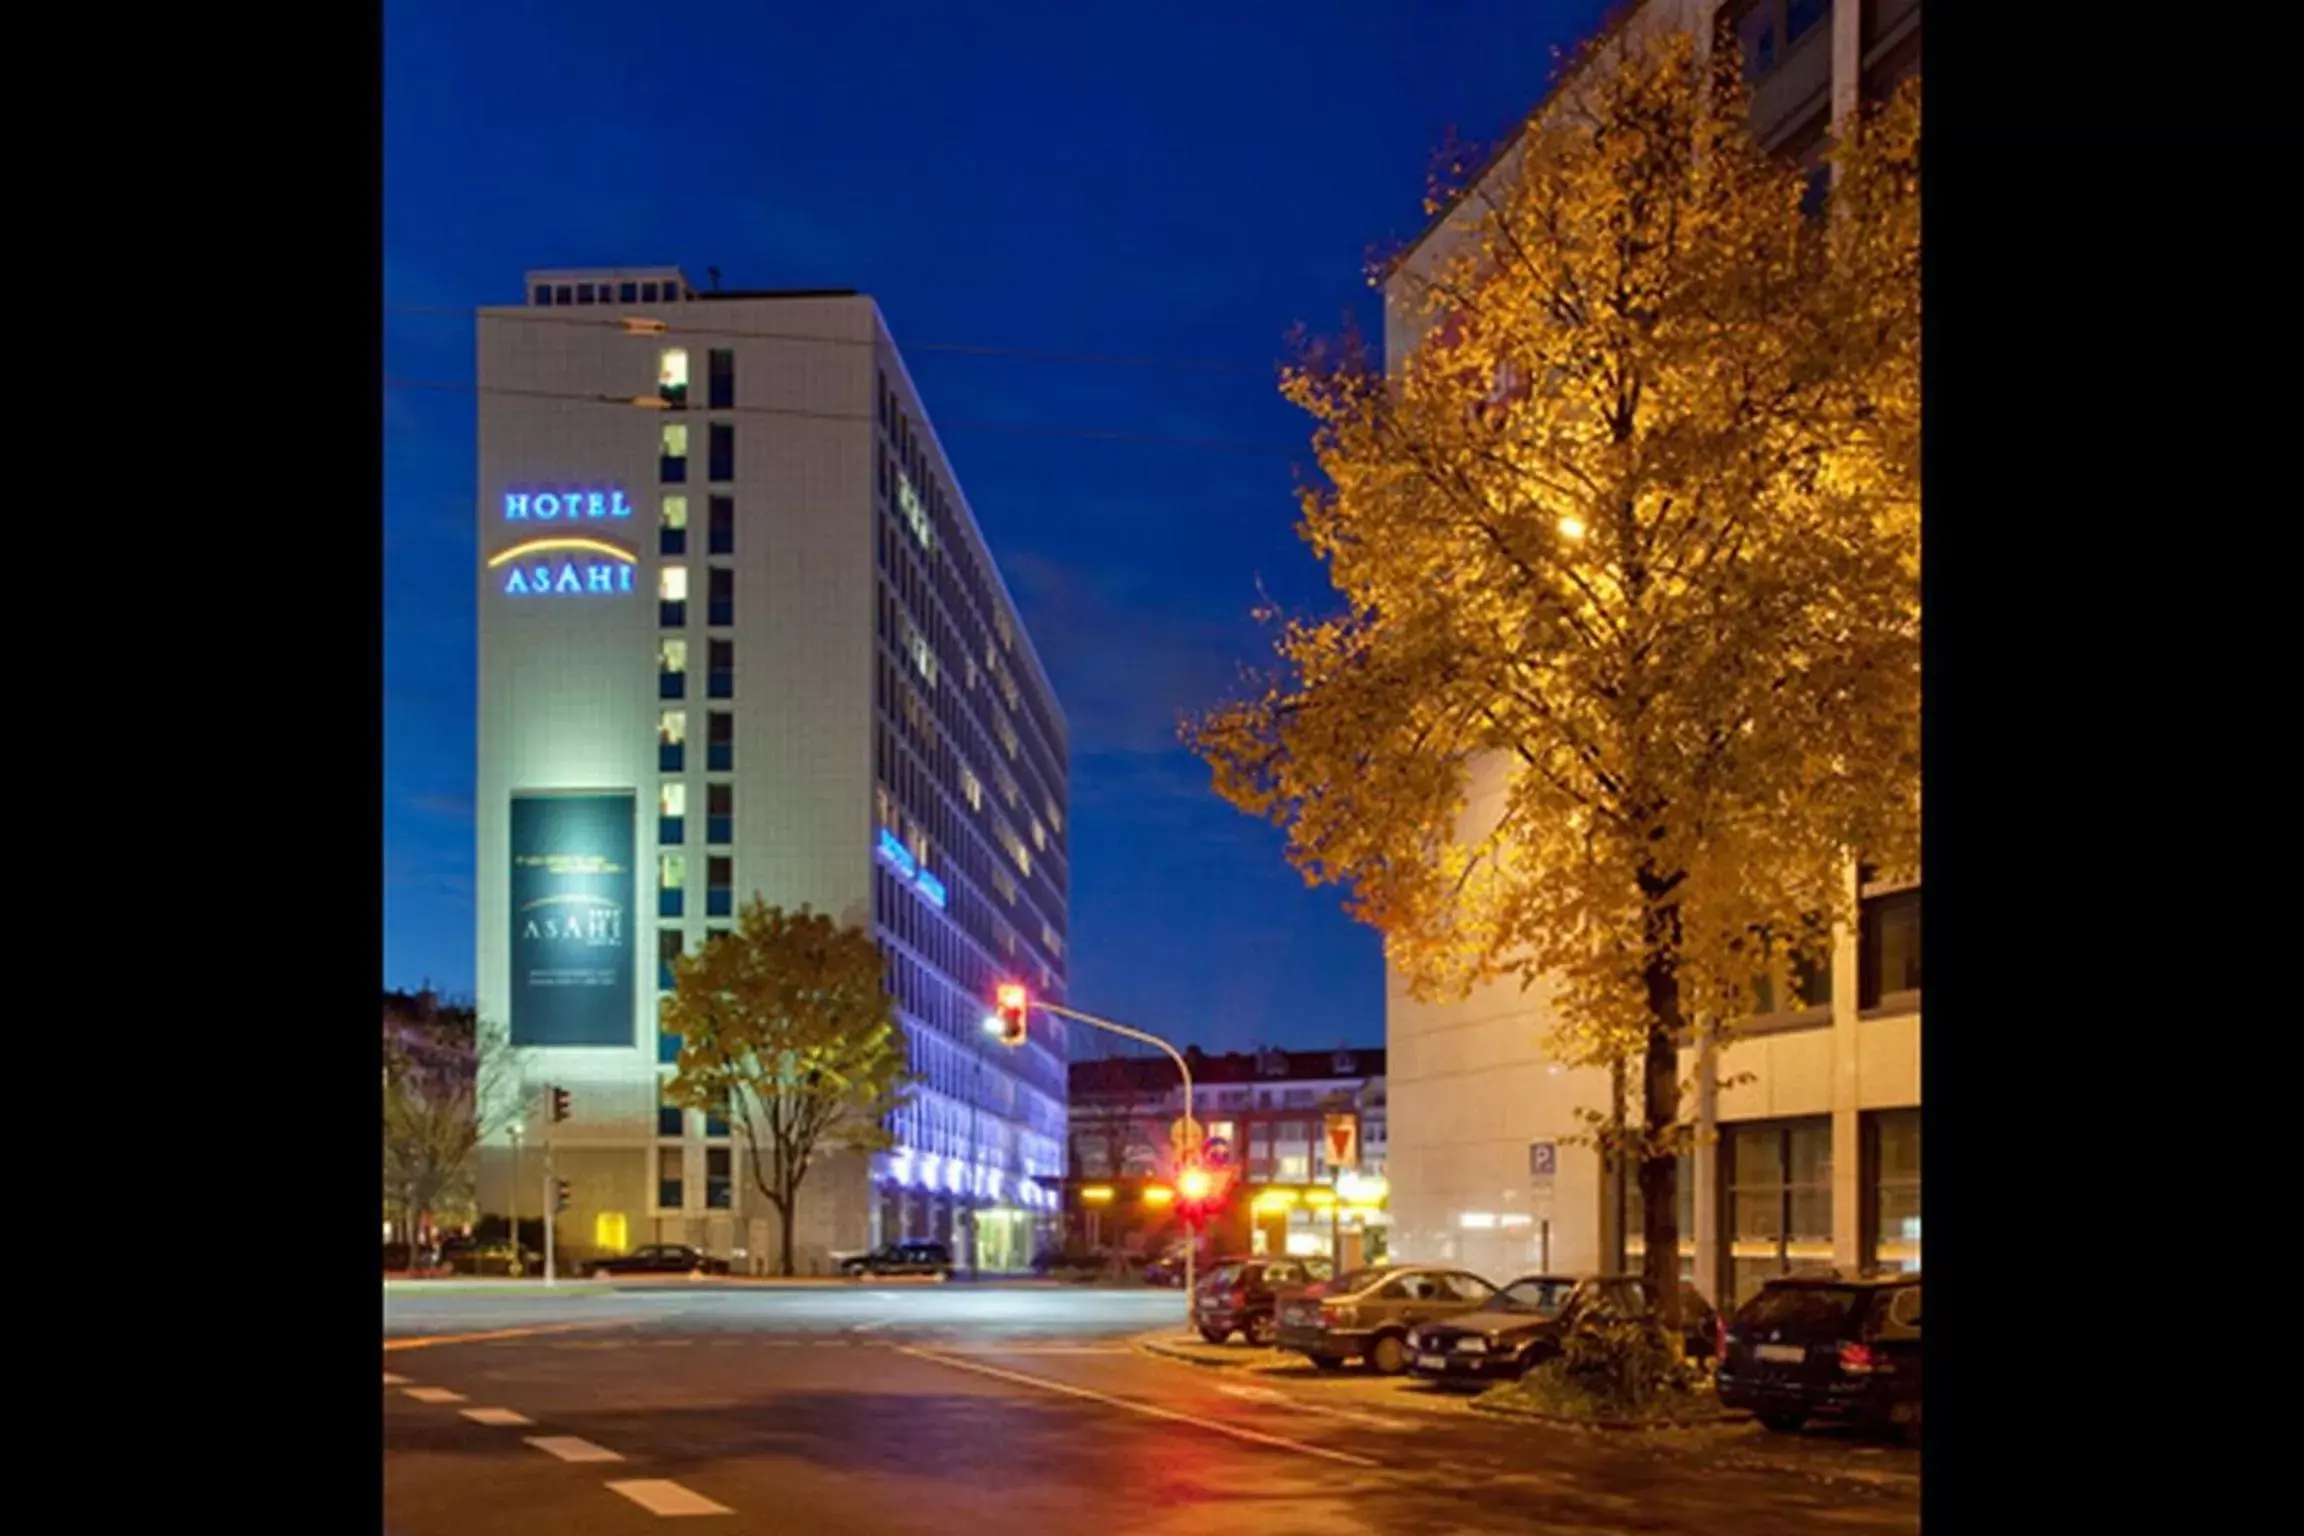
662,1259
1072,1263
1167,1268
1239,1296
467,1256
1827,1347
909,1258
1366,1314
1529,1319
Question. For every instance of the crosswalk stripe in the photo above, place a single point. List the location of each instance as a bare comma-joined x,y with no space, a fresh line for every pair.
496,1416
433,1394
659,1496
569,1448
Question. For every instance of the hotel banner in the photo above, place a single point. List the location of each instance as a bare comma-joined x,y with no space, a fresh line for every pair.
572,927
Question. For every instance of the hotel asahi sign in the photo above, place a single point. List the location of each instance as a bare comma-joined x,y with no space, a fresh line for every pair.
562,559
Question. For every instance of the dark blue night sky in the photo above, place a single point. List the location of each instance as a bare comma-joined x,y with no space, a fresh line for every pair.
1178,181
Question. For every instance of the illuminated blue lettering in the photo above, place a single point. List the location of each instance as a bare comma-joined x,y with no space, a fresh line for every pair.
547,506
569,581
600,579
514,584
595,505
931,887
515,506
617,505
623,578
896,853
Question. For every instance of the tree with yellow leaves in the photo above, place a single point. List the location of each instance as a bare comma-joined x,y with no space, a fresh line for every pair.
1629,658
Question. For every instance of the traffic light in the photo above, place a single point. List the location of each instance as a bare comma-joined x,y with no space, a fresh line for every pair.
559,1195
1012,1010
559,1105
1200,1192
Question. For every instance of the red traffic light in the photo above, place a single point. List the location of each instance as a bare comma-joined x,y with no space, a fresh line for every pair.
1195,1183
1012,1007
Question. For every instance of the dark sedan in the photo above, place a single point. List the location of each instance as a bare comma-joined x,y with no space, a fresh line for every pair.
906,1258
1366,1314
1827,1348
1526,1322
662,1259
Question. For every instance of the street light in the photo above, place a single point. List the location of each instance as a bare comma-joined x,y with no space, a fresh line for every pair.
1013,1002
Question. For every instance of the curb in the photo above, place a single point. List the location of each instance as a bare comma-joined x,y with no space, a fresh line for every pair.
1537,1416
1176,1349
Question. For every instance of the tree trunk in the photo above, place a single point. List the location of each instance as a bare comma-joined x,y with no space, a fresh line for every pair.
1660,1110
784,1215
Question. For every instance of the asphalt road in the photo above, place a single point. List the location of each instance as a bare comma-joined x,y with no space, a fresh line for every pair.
962,1409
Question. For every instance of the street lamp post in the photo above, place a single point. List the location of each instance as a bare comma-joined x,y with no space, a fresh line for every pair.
1192,1243
515,1198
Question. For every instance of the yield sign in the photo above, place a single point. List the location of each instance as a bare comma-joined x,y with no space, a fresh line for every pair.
1343,1141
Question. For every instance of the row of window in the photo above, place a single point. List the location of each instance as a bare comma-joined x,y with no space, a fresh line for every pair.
672,885
719,1179
672,812
672,596
1776,1199
666,291
672,525
1887,964
672,741
672,668
720,379
672,452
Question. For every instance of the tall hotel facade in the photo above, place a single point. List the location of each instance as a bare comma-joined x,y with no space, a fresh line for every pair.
740,635
1816,1164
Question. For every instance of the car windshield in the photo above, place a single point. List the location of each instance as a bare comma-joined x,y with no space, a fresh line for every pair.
1806,1310
1544,1298
1354,1281
1222,1275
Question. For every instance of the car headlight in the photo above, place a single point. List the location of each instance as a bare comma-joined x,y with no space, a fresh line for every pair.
1415,1338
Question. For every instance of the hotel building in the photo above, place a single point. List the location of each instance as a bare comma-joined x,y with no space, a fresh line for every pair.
1816,1164
739,634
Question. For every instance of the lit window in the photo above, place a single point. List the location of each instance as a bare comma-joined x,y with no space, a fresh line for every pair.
672,463
671,884
1048,937
1039,835
671,667
971,788
672,798
672,584
672,376
672,526
884,805
672,727
1055,817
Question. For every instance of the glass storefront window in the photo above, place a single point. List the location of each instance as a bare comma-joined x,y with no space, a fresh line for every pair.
1892,1152
1779,1201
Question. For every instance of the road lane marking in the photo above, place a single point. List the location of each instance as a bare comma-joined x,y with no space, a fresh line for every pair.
422,1341
878,1322
569,1448
1282,1399
391,1380
1147,1409
434,1395
499,1416
660,1497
